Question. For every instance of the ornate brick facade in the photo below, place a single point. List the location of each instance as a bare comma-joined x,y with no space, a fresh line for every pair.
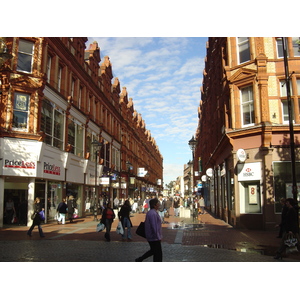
244,106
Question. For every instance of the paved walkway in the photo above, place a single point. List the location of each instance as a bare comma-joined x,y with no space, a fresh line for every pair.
184,239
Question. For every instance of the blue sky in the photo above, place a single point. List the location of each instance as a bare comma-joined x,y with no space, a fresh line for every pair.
163,77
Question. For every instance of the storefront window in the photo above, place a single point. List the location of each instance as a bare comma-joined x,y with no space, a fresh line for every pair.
283,182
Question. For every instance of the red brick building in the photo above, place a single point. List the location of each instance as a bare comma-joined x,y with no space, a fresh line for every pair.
57,98
243,136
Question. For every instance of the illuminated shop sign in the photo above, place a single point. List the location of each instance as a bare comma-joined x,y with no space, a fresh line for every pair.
19,164
51,169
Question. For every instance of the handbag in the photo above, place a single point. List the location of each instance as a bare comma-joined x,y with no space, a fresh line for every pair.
100,227
291,243
42,215
120,229
33,216
290,240
141,230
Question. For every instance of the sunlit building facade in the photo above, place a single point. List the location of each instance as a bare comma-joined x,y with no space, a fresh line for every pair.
58,97
243,151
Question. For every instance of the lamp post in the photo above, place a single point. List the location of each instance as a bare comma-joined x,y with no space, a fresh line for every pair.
192,144
292,141
129,167
97,145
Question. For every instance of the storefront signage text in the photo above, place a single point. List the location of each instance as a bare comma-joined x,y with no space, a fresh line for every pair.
51,169
19,164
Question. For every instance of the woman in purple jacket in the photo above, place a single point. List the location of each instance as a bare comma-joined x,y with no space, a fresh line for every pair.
153,233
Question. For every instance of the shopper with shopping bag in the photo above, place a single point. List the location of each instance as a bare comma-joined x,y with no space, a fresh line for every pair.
124,217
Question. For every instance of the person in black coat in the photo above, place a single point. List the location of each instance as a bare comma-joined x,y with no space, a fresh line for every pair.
107,219
71,205
284,211
124,217
291,226
37,218
62,210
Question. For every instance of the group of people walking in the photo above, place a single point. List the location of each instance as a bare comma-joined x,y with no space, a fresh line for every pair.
65,208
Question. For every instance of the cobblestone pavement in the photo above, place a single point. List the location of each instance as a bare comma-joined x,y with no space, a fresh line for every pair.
206,239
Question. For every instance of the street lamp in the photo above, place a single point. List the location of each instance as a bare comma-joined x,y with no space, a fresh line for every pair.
97,145
192,144
129,167
292,140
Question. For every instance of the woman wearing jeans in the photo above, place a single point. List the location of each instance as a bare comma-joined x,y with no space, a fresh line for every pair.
124,217
108,216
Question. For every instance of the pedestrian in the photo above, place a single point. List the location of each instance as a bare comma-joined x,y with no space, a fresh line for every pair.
37,218
284,211
95,211
153,233
108,216
162,208
201,204
71,205
176,206
124,217
9,211
62,210
168,205
116,203
291,227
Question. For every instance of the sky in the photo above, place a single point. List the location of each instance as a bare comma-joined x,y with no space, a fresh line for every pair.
163,76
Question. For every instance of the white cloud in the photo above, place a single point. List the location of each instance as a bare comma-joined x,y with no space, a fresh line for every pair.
163,76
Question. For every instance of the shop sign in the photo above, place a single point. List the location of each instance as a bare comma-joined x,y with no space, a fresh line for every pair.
22,164
210,172
142,172
104,180
249,171
241,155
51,169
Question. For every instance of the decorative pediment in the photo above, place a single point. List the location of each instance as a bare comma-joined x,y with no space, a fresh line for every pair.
27,82
242,75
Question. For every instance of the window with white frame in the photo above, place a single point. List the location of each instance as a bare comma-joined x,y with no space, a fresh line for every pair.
105,153
279,47
21,111
247,106
284,102
59,75
76,137
296,46
79,97
25,56
48,71
52,124
115,157
243,49
91,136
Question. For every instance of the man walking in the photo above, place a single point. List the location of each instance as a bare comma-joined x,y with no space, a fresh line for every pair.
153,233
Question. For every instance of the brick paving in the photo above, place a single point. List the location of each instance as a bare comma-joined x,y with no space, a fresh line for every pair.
184,239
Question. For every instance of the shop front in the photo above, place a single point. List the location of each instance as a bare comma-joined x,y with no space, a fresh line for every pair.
32,169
